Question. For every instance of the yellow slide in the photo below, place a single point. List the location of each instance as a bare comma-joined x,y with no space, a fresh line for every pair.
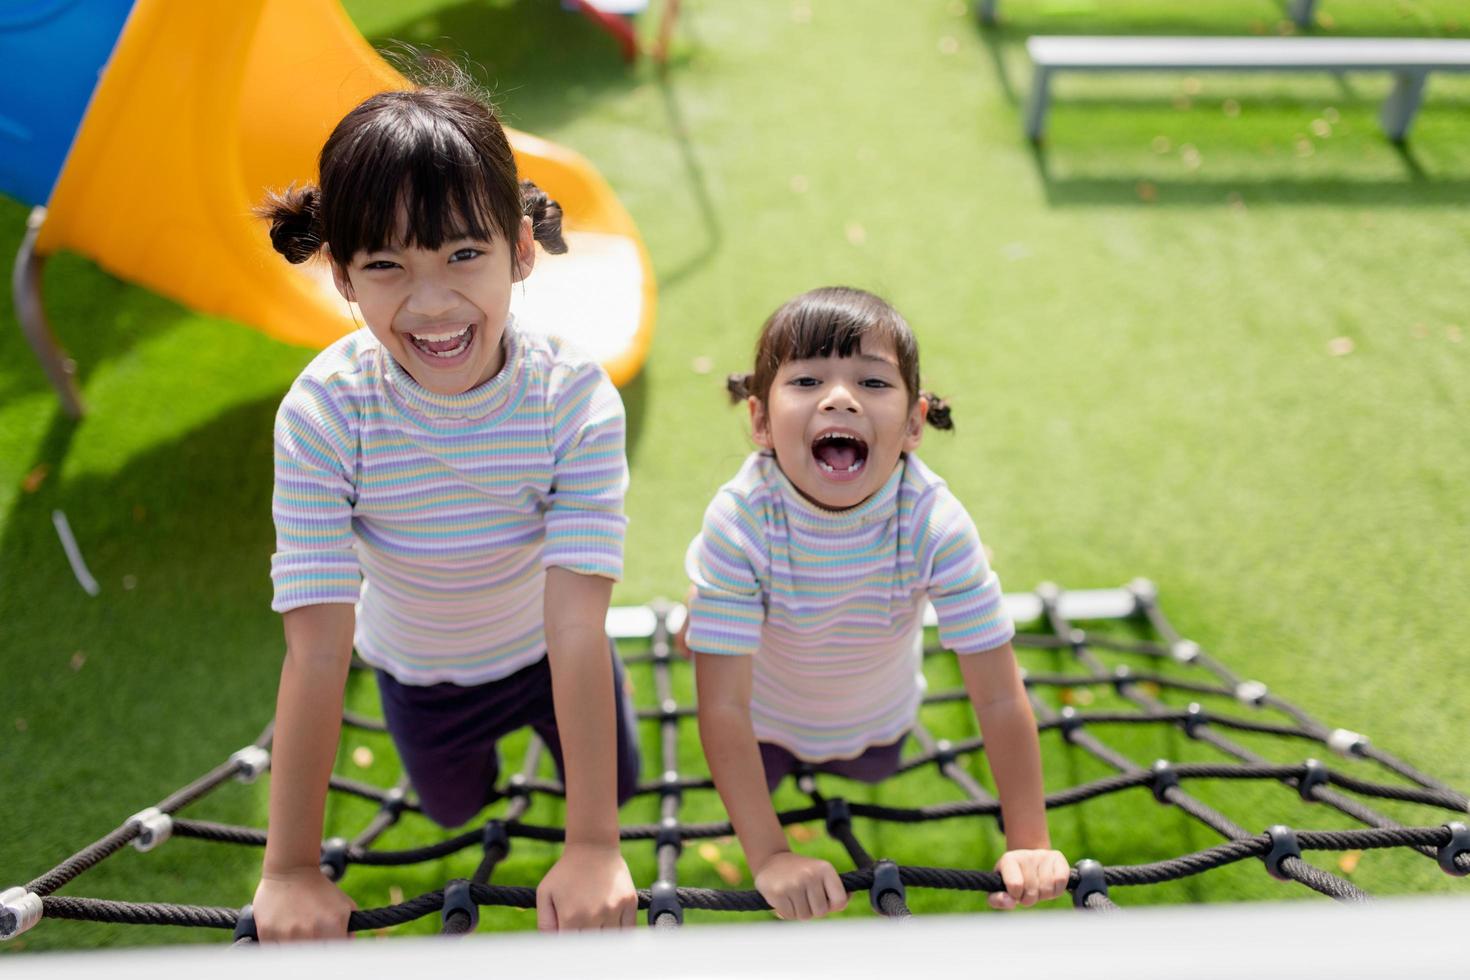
204,106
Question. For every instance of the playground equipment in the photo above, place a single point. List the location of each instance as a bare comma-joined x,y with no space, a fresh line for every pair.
198,110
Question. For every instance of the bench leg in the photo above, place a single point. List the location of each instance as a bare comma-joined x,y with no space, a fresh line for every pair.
1038,103
1301,12
987,11
26,292
1403,104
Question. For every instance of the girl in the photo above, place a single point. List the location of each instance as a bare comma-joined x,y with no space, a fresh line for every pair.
448,501
810,576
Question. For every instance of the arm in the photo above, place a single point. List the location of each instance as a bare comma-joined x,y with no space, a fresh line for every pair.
1032,870
589,887
294,900
796,887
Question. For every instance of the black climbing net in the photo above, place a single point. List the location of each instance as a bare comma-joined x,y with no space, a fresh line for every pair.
1161,669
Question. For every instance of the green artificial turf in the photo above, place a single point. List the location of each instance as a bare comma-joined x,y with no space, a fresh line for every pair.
1213,333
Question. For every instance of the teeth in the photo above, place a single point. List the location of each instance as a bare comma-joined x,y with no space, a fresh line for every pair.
434,338
851,469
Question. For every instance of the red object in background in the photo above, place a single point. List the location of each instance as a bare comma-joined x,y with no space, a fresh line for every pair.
620,25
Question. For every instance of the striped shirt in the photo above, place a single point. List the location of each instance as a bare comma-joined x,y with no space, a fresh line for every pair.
437,515
830,603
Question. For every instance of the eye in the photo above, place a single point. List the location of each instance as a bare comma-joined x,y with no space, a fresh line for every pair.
377,265
466,254
803,381
875,383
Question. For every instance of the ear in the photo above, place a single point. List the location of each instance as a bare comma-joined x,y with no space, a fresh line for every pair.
913,430
760,423
525,250
339,277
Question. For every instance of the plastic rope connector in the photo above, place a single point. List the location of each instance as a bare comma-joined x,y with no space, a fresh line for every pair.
516,788
334,858
668,710
1194,716
1344,742
1122,677
1184,651
1315,776
1090,881
1070,723
839,816
250,762
1164,779
19,910
886,881
395,800
944,753
669,835
1459,843
1283,846
154,827
663,900
245,926
460,915
1252,693
493,836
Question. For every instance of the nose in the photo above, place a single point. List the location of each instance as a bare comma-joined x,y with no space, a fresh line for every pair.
430,298
839,398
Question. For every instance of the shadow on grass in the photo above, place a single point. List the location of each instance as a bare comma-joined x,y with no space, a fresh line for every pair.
111,702
1414,187
545,66
698,186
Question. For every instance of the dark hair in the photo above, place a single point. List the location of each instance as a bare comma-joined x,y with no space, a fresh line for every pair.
828,321
439,153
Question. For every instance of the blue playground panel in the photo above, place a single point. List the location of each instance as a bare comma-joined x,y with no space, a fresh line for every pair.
51,54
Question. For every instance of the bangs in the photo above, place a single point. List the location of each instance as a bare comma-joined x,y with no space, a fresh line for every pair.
407,177
834,322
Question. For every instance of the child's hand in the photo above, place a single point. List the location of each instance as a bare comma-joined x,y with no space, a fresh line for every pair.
1030,877
300,905
799,887
589,888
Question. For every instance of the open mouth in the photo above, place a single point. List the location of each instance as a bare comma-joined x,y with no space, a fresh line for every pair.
840,454
444,345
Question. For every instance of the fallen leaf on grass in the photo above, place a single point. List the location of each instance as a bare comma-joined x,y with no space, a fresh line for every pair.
362,756
801,832
729,873
35,478
709,852
1348,862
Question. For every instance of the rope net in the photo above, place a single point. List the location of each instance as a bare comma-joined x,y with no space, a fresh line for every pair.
1162,669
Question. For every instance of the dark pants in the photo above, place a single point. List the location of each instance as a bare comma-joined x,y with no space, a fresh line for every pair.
876,764
446,735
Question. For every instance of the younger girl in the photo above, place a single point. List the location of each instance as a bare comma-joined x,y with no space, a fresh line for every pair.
448,501
810,576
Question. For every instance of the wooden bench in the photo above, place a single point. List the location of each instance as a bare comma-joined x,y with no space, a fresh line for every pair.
1410,60
1300,11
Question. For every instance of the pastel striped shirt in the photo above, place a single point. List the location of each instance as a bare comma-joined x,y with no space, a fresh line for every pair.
830,603
437,515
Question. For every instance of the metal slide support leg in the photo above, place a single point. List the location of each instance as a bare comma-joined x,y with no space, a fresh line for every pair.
25,286
1301,12
1403,103
987,11
1037,105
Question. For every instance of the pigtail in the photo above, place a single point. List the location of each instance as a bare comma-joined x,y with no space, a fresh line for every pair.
738,385
938,415
296,221
545,217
